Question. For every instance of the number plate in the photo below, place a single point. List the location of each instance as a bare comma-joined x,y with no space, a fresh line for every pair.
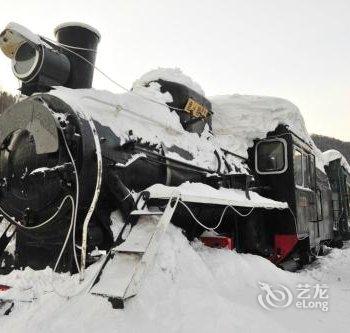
196,109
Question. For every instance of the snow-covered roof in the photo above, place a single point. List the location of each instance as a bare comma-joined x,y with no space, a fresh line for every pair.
332,155
237,121
240,119
169,74
144,111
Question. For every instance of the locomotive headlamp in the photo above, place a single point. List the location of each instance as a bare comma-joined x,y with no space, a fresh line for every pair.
13,36
26,61
34,61
41,64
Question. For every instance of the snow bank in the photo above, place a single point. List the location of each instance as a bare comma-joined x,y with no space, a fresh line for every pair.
332,155
240,119
191,288
168,74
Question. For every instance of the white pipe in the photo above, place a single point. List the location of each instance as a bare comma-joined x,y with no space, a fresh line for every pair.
94,200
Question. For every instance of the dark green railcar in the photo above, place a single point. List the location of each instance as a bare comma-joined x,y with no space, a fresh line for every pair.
339,178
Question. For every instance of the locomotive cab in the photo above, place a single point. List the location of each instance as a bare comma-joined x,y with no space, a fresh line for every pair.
285,169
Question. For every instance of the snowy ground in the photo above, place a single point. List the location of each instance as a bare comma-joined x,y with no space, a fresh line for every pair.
191,288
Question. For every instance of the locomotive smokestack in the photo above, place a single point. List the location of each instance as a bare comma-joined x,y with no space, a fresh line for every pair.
82,40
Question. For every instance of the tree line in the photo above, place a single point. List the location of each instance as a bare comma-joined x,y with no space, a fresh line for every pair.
325,143
6,100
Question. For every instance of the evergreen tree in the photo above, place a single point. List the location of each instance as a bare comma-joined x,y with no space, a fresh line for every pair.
6,100
325,143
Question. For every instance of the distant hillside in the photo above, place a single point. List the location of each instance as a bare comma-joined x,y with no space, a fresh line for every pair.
324,143
5,100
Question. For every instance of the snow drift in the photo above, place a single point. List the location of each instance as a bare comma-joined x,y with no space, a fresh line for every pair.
168,74
240,119
191,288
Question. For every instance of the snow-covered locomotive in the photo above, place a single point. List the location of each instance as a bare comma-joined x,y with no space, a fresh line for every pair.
71,155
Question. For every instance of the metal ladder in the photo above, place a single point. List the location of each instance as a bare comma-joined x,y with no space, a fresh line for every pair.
124,267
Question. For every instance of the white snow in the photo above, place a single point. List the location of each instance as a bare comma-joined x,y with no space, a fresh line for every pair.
151,121
131,160
25,32
14,35
237,121
332,155
199,192
191,288
240,119
168,74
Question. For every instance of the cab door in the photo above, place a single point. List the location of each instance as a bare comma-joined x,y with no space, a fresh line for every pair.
306,194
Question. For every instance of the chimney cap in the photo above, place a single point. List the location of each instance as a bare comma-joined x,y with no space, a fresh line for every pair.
77,24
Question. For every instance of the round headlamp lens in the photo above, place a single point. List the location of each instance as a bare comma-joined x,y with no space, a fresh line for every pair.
25,60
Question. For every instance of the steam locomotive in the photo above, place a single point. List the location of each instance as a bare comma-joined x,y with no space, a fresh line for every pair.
71,155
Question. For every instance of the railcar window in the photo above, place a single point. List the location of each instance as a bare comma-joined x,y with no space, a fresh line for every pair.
312,171
306,171
319,206
298,167
348,200
270,157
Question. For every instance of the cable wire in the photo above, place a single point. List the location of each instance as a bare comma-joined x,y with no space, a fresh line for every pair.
23,227
75,47
67,48
94,199
296,225
71,226
77,190
68,234
221,218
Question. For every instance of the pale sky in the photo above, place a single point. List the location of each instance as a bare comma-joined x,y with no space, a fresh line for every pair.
296,49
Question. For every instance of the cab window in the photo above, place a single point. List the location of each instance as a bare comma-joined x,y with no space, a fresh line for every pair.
306,171
298,167
348,199
312,171
319,205
271,156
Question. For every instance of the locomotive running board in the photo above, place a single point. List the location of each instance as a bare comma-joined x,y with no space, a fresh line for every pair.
125,265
